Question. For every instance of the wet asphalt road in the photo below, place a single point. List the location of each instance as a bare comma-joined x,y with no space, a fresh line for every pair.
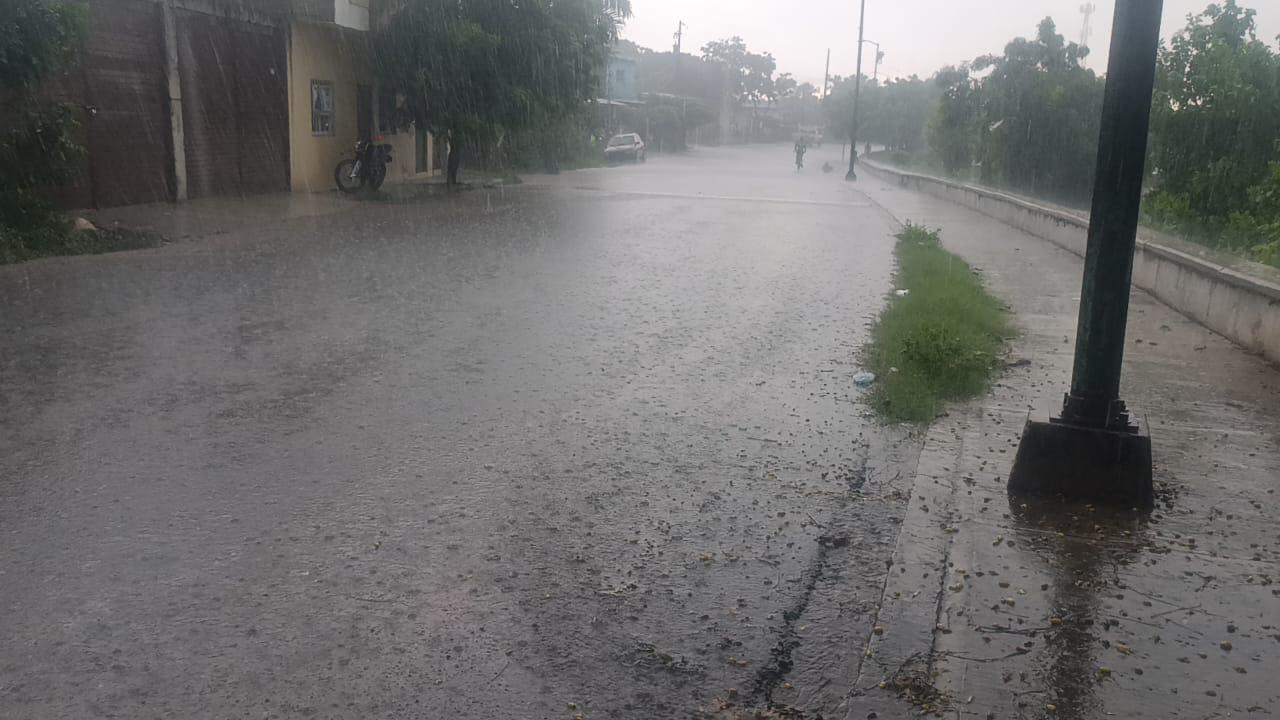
585,446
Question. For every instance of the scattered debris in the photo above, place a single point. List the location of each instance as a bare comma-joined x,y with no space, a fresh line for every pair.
864,378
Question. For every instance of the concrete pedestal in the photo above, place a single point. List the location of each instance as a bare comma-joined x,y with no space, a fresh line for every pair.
1082,463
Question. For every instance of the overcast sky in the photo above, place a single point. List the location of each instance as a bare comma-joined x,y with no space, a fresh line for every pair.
917,36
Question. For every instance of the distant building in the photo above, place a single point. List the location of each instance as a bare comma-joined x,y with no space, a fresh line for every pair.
620,78
621,92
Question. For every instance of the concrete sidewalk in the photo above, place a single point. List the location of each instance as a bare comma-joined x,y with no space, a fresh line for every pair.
221,215
205,217
1000,609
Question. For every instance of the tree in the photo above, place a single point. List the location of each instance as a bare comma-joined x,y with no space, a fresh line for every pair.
37,150
953,130
785,86
475,69
1039,114
797,102
895,113
1216,112
749,76
759,86
669,117
732,55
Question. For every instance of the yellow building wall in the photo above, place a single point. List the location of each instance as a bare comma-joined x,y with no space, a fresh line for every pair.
334,55
339,56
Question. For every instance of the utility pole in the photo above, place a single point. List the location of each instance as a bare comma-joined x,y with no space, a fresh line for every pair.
857,83
677,85
1095,450
1087,10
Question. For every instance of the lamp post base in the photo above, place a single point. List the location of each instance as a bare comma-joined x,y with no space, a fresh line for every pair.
1097,465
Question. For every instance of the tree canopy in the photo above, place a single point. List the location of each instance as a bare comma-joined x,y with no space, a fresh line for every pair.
1216,115
750,75
473,69
36,146
1027,120
36,38
1039,116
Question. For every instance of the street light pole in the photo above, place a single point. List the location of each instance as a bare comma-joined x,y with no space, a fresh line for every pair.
1095,450
857,83
875,67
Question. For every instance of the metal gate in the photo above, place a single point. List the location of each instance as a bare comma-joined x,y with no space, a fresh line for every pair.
235,105
262,103
126,93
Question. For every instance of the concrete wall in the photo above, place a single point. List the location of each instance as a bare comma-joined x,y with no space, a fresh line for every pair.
340,56
1237,299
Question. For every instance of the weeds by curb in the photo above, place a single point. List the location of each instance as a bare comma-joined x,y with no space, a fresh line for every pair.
57,237
940,336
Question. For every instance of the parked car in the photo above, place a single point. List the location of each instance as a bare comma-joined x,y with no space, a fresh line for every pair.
627,146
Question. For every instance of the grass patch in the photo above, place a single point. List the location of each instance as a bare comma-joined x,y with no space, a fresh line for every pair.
939,342
57,237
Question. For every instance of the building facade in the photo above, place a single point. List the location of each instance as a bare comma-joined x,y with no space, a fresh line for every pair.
334,98
180,99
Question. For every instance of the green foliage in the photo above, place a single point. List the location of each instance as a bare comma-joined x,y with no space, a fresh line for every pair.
1256,228
36,146
668,117
565,142
37,154
1039,119
36,38
894,114
1028,120
1214,128
1215,115
953,131
748,76
55,236
1170,212
939,342
897,113
474,69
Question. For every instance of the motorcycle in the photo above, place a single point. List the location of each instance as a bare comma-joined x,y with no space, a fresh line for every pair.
367,169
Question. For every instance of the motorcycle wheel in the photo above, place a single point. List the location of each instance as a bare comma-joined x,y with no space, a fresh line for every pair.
345,176
377,175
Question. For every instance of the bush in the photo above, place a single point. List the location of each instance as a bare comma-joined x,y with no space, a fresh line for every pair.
57,237
36,149
1253,232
